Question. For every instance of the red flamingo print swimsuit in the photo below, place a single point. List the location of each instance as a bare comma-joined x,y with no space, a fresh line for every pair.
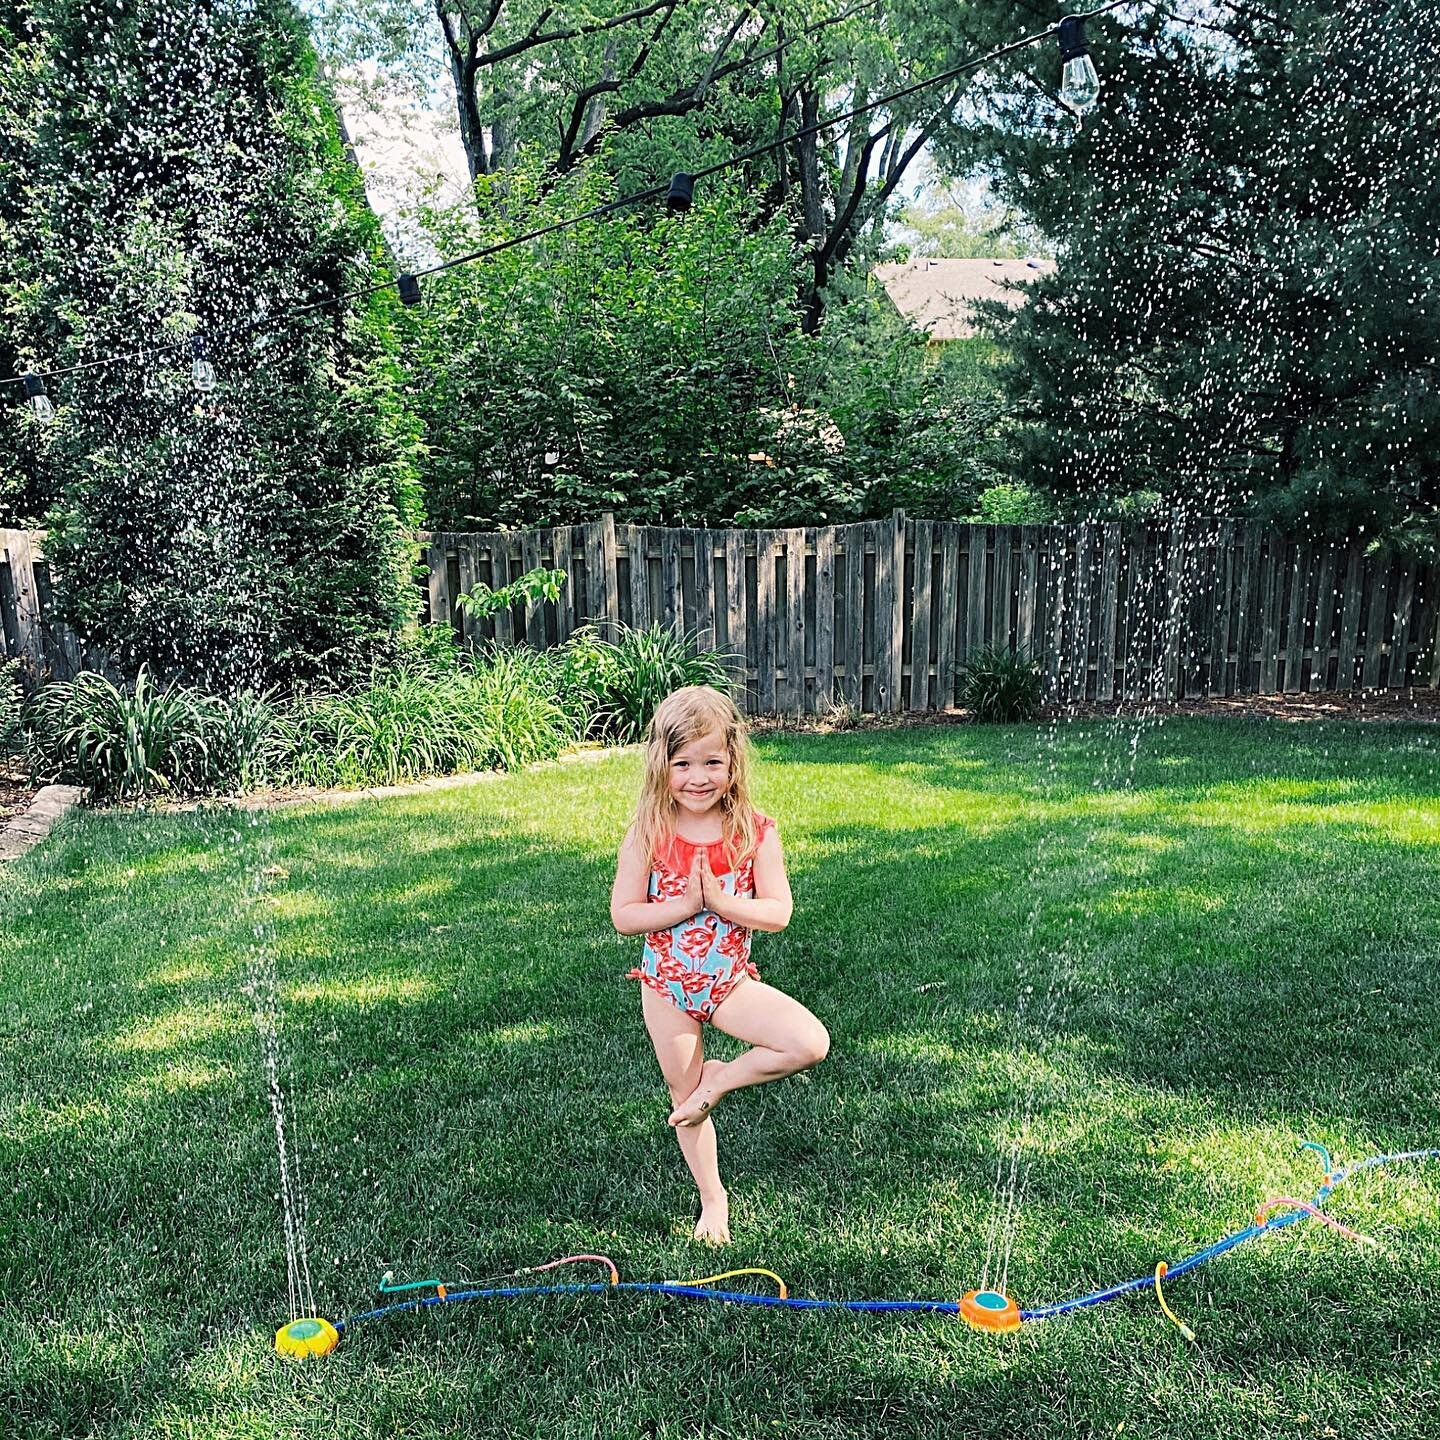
698,962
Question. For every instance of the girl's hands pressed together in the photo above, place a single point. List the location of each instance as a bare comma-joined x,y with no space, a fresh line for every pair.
695,893
711,889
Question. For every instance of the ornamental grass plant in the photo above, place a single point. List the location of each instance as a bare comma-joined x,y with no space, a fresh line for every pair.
436,709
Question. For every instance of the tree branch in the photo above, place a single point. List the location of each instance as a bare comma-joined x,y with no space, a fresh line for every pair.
678,102
549,37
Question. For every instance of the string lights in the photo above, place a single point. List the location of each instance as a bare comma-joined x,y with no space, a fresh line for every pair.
1079,84
202,372
37,399
1080,87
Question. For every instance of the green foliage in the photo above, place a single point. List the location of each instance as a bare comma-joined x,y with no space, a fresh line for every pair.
618,682
27,481
1139,505
966,229
439,711
920,427
657,369
1013,504
1001,686
498,711
622,365
532,586
10,705
265,529
1243,311
126,742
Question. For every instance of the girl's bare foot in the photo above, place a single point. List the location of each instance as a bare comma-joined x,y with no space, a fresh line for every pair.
703,1098
713,1226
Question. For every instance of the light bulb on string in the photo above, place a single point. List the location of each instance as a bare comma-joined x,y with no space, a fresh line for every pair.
681,195
202,372
1079,84
37,399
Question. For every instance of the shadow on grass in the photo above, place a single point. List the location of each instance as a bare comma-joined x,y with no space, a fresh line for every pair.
471,1087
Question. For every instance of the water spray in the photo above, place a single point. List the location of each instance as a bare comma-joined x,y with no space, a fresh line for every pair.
989,1311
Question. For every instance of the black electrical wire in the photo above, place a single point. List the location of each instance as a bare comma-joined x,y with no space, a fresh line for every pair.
636,197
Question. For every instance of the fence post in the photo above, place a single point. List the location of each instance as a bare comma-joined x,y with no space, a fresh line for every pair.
1174,591
824,615
29,640
854,650
609,568
890,612
920,617
795,620
735,613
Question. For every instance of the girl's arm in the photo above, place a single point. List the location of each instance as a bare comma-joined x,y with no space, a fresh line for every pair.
631,911
772,906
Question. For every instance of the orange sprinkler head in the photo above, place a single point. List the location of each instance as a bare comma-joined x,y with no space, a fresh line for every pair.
990,1311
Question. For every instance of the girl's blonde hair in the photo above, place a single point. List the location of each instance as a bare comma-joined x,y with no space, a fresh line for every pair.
683,716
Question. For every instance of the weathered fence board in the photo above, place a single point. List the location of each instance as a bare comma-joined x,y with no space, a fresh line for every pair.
29,629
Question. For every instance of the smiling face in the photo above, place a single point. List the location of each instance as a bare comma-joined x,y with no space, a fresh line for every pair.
700,774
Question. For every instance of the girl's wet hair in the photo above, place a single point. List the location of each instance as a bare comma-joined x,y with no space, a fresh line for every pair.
681,717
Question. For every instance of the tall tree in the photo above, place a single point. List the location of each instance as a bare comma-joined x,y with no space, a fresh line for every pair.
191,184
26,475
645,88
1247,304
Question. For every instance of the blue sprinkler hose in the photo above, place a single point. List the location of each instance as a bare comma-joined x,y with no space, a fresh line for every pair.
934,1307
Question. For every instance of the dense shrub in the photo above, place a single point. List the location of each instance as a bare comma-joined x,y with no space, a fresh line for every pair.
126,742
497,709
618,682
263,531
1001,686
1013,504
439,710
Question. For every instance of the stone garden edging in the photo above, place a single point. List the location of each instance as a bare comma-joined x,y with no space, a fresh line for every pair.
32,825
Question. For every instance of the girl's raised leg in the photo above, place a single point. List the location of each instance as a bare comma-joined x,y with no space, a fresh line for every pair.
783,1037
680,1051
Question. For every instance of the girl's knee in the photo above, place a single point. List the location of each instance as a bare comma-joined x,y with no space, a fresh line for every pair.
813,1046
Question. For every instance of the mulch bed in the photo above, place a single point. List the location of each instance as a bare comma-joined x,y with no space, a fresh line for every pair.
1420,706
16,792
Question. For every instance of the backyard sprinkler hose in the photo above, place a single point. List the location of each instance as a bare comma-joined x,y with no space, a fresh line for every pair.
985,1310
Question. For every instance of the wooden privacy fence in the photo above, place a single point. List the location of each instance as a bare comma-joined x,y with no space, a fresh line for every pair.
885,614
27,614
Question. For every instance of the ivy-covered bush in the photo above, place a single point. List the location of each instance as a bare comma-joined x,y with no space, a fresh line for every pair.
262,531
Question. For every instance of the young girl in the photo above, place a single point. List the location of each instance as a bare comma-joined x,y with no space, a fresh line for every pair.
699,869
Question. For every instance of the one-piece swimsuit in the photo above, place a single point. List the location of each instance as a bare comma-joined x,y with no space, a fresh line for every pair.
698,962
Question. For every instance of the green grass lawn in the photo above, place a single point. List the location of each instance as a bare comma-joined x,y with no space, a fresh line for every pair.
1231,947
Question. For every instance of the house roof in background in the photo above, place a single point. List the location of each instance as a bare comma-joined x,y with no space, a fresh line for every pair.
938,295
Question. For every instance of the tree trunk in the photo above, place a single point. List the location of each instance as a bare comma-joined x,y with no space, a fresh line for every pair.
467,109
812,198
595,111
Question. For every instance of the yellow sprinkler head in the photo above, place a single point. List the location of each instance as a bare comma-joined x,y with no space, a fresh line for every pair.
990,1311
311,1336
